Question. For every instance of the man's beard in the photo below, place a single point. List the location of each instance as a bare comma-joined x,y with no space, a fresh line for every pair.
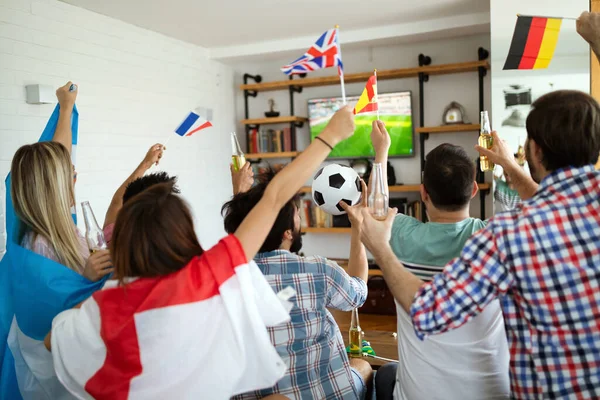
532,167
296,242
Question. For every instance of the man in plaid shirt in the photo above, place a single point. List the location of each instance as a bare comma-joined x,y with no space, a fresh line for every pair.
311,343
542,260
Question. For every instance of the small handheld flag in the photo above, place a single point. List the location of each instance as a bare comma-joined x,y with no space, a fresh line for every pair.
192,124
533,42
324,53
367,102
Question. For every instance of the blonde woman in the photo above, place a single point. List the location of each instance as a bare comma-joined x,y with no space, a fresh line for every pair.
42,193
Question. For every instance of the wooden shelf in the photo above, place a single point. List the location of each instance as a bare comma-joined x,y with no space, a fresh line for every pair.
275,120
327,230
285,154
400,188
471,66
449,128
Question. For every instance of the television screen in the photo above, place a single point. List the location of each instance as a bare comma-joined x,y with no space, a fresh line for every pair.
395,110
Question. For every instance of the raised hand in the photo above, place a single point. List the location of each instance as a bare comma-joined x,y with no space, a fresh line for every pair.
341,126
153,155
243,179
98,265
380,138
65,97
354,212
499,153
375,234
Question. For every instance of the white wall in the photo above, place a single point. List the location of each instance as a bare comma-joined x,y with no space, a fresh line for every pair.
135,86
569,69
439,92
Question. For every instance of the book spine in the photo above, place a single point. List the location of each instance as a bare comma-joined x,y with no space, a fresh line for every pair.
287,140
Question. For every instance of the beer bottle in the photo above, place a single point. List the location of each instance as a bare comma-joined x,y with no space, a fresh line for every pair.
485,141
354,336
94,236
378,200
237,155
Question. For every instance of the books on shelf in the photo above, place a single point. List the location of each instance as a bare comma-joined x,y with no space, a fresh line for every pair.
313,217
414,209
271,141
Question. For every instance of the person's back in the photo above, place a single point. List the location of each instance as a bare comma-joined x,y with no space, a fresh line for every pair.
552,250
470,362
311,343
476,354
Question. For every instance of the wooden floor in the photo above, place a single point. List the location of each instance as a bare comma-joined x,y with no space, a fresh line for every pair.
368,322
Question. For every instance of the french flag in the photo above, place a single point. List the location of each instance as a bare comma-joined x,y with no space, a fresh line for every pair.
192,123
199,332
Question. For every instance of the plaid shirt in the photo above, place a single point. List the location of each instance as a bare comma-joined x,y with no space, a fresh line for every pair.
544,263
311,343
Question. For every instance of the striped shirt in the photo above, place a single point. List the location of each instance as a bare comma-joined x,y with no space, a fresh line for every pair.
311,343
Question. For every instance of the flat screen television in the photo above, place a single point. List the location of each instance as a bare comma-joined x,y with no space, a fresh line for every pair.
395,110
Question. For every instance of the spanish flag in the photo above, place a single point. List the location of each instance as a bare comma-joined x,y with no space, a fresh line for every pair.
368,99
533,43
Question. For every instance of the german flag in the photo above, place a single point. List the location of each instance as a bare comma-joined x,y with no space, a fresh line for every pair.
367,101
533,43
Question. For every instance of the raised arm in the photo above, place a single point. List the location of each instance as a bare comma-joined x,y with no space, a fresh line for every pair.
152,157
376,236
257,224
66,100
381,143
588,26
358,264
500,154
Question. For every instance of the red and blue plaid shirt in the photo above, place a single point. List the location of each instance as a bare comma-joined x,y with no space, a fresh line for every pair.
543,261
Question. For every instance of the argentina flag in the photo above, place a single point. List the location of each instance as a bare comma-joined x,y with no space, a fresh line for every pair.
33,290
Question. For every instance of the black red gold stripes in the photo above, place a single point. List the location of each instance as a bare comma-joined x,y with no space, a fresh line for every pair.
533,43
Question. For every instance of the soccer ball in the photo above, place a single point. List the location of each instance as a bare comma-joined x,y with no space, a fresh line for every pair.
334,183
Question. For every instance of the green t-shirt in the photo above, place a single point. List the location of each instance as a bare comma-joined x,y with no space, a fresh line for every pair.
425,248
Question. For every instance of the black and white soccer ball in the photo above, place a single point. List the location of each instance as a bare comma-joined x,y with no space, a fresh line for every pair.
334,183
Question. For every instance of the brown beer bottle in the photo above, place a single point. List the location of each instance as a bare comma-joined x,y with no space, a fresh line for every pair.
485,141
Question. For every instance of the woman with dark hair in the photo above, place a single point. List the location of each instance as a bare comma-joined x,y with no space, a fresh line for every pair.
179,322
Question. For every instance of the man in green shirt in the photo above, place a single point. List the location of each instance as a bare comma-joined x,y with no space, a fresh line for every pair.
431,369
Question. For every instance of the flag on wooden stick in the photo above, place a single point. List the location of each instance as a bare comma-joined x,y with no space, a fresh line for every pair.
533,42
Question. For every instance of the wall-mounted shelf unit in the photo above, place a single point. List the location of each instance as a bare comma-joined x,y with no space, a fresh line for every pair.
403,188
448,128
285,154
442,69
423,71
274,120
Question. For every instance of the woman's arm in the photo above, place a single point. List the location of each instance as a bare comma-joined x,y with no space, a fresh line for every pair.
256,226
66,100
358,264
152,157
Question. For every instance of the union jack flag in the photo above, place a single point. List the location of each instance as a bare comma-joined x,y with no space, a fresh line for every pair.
324,53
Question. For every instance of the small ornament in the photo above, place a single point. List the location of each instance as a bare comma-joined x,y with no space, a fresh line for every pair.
271,113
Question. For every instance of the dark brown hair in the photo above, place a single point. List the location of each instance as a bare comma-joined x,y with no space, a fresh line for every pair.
154,234
235,210
448,177
566,126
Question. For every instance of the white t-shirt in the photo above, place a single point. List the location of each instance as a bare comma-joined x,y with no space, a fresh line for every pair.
468,363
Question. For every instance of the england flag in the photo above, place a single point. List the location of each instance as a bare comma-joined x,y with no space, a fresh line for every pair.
197,333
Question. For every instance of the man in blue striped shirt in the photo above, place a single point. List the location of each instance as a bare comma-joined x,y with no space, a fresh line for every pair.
311,343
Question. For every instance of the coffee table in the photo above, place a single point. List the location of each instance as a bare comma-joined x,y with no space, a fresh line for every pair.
384,344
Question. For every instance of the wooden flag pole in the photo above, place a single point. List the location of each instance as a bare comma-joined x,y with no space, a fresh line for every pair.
376,96
341,70
545,16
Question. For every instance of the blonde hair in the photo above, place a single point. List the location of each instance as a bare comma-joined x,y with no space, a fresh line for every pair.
42,193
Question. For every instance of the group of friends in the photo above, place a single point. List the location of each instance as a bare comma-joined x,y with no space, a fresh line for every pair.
496,309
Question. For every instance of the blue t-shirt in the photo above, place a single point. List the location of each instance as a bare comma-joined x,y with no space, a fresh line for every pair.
426,245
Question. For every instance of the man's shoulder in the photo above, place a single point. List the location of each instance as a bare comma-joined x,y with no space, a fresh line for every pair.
402,222
290,263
